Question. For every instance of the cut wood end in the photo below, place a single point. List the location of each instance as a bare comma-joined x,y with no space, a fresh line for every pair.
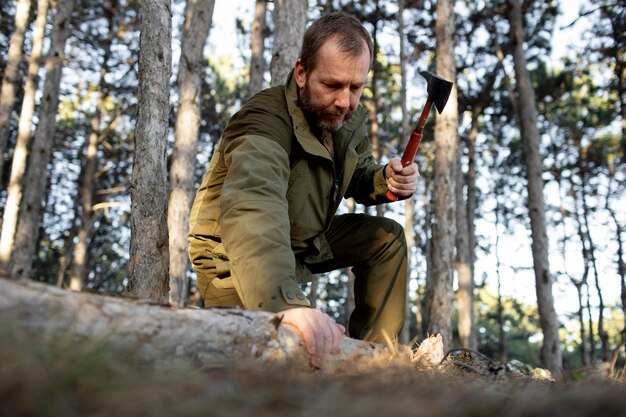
430,351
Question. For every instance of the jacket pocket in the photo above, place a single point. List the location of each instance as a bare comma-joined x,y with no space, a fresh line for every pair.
222,265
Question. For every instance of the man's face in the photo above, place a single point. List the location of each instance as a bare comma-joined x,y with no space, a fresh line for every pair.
330,92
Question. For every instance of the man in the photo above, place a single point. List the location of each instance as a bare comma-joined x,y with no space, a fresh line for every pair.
263,219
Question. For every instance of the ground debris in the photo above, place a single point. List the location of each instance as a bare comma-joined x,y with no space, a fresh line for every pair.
42,377
476,363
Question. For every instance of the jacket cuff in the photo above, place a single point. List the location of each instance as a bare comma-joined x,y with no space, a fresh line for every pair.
284,296
380,182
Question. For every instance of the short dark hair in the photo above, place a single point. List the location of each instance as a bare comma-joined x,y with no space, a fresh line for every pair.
351,31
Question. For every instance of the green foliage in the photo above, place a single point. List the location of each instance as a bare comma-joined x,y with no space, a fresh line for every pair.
520,324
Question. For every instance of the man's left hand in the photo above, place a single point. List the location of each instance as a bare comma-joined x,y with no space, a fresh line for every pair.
401,181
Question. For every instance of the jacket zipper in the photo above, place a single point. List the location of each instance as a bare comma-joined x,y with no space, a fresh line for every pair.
345,150
335,192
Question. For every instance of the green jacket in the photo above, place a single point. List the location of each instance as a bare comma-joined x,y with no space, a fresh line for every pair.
270,192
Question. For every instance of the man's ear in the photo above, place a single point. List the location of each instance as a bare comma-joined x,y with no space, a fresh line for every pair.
299,73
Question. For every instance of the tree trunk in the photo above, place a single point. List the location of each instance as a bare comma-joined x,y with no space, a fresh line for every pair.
465,293
465,248
212,337
439,292
465,237
422,293
579,284
198,17
617,30
584,352
375,104
78,269
257,46
290,18
409,235
148,266
36,177
18,165
350,300
551,349
502,348
409,204
9,79
592,337
591,253
621,265
584,281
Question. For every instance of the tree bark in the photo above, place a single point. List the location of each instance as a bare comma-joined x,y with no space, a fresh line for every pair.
31,206
9,79
439,294
149,256
409,204
551,349
212,337
502,345
584,281
290,18
350,300
422,293
621,265
619,67
409,235
198,17
584,352
78,268
465,248
591,253
463,266
257,46
20,152
465,241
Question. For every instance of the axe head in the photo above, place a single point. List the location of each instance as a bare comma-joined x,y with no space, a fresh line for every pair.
438,89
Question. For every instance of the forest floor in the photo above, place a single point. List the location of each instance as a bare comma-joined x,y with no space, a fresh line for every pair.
40,378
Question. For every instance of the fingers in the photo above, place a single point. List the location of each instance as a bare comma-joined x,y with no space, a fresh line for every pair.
326,335
338,332
321,335
402,180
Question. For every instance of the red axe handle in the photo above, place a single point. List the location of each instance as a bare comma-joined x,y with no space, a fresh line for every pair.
414,143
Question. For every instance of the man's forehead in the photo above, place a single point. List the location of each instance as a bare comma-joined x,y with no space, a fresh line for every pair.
333,64
333,47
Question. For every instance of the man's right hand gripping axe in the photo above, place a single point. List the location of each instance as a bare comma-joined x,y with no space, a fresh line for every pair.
438,92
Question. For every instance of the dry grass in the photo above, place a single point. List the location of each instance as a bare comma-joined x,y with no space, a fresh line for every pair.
46,378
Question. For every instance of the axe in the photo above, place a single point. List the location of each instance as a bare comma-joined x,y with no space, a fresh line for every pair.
438,92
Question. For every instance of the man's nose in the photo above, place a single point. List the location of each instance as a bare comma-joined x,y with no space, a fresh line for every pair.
342,98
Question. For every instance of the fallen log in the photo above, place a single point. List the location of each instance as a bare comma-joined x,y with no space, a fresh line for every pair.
162,335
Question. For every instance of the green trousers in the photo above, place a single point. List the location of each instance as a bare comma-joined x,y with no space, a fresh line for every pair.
376,250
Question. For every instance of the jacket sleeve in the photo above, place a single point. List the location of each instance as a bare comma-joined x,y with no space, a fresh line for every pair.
368,185
255,224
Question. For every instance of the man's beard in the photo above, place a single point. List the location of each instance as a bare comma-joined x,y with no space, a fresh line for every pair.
315,115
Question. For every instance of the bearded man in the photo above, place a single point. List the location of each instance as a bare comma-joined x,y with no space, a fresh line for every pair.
264,218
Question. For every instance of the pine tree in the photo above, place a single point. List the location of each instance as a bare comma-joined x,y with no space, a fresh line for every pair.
149,256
